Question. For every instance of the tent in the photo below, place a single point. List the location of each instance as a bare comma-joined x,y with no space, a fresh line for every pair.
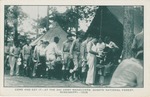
108,21
36,41
56,30
106,24
118,12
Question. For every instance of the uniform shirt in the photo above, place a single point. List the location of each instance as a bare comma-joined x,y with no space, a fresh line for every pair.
26,50
36,51
76,45
66,46
52,48
15,51
127,74
42,51
138,42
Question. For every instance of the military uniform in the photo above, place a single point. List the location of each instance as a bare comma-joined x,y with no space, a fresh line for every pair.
6,56
84,65
66,56
51,56
41,69
14,53
26,51
75,52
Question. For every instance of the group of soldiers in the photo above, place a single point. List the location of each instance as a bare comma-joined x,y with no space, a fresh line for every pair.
81,59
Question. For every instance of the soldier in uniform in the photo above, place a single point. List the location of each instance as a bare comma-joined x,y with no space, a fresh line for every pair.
14,52
6,55
35,56
66,56
83,51
75,54
41,69
36,50
51,55
26,51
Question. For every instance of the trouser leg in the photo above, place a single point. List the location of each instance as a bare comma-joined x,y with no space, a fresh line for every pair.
84,75
43,65
63,75
17,69
50,73
67,74
75,60
12,65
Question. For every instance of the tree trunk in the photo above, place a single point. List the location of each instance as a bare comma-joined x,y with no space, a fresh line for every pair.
16,14
77,20
16,31
128,33
6,32
47,24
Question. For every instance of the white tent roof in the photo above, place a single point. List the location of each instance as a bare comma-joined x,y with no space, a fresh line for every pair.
56,30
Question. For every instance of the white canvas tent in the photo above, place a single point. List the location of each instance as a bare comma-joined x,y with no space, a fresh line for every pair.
56,30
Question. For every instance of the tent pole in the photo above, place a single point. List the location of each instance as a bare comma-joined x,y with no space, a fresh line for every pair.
101,21
37,21
47,25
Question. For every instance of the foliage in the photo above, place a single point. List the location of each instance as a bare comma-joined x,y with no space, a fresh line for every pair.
69,19
13,18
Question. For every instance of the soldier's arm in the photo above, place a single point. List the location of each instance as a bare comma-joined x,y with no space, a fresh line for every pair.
134,45
62,49
23,51
83,51
72,47
12,51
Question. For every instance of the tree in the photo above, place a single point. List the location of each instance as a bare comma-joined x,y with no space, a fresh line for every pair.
70,19
7,27
128,33
76,13
13,17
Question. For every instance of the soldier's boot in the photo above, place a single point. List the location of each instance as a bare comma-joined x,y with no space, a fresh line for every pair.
49,74
63,75
67,74
76,76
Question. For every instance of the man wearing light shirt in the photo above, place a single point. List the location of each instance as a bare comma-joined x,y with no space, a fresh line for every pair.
42,60
51,55
129,73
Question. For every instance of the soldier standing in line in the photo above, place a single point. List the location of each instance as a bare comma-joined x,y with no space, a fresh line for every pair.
66,56
35,56
75,54
84,58
41,69
26,51
14,52
6,55
51,55
36,50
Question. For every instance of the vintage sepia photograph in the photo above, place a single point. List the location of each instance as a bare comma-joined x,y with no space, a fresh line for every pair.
73,46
